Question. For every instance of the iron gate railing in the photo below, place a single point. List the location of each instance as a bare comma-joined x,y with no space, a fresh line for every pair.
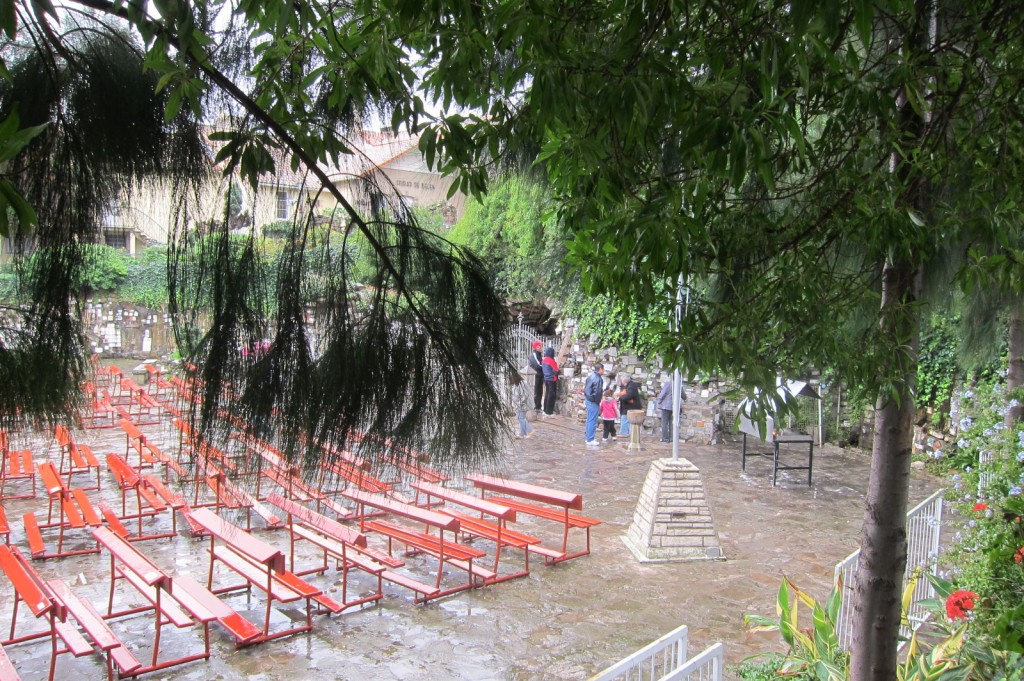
924,524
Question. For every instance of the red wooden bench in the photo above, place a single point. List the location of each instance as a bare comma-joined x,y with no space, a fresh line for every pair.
177,503
562,502
75,458
476,526
172,600
76,512
15,465
414,464
148,452
446,551
55,603
98,413
130,480
346,546
142,408
262,566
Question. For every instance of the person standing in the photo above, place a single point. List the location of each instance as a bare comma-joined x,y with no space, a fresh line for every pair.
535,362
551,371
592,396
665,405
609,414
629,400
521,399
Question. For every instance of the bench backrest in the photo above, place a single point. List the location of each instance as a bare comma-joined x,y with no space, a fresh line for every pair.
51,478
62,435
317,521
526,491
125,474
131,558
420,515
240,540
130,429
467,500
26,581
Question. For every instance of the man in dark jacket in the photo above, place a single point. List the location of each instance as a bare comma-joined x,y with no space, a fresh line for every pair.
535,360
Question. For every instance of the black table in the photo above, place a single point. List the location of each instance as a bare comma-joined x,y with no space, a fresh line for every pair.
783,439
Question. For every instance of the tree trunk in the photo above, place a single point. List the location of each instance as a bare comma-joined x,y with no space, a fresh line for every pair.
879,577
1015,378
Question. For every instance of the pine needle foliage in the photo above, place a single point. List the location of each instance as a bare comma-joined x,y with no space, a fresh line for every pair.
105,135
301,350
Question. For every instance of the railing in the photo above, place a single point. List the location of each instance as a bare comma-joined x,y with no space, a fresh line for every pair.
924,524
985,471
665,660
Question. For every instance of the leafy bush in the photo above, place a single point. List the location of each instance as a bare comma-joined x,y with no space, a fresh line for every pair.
146,281
105,268
987,553
937,368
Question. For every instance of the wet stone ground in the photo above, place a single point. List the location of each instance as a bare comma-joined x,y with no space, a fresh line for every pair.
563,622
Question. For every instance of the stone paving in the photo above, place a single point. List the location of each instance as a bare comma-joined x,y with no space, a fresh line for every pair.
562,622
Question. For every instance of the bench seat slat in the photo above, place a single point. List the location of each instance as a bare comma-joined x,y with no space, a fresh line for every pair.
202,603
255,574
425,542
487,530
549,513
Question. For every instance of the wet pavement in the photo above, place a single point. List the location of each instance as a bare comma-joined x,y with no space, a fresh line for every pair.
562,622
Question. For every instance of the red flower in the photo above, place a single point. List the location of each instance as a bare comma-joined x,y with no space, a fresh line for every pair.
1019,556
980,507
959,603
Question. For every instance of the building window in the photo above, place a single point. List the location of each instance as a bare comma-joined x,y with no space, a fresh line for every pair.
283,206
116,239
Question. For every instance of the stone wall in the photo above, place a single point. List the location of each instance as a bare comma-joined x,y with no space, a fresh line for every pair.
119,330
701,419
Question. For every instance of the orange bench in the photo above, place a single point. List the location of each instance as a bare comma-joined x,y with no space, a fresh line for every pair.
75,458
130,480
562,501
177,503
63,611
447,552
172,600
98,413
15,465
76,512
148,452
261,566
476,526
346,546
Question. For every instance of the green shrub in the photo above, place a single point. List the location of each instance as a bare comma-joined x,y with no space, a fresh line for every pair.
146,281
105,268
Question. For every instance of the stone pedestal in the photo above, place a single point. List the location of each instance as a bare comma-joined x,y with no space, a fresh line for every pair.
672,521
636,420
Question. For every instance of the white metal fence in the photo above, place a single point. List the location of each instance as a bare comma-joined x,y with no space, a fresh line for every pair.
924,524
665,660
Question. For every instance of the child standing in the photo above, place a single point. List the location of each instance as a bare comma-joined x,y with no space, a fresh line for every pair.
609,414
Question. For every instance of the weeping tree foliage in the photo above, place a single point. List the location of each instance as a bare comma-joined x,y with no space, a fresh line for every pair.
406,360
103,134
